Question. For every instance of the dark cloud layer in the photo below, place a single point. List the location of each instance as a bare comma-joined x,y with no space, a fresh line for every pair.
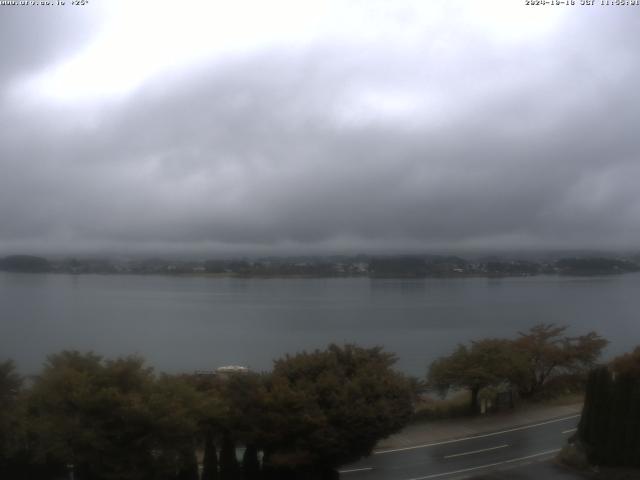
338,145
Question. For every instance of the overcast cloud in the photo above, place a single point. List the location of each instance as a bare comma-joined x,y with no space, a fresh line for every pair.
325,126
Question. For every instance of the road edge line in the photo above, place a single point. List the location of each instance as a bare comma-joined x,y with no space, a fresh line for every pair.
482,435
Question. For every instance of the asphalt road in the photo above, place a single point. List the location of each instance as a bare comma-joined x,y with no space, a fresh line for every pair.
467,457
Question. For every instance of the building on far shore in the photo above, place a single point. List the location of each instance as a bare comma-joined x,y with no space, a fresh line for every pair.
222,372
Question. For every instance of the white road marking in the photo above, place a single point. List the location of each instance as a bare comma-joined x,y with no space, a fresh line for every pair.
569,431
436,475
356,470
548,452
380,452
504,462
476,451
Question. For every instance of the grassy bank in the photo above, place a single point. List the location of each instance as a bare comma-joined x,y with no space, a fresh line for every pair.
457,405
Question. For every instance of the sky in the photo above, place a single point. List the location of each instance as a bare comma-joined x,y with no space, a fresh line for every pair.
318,126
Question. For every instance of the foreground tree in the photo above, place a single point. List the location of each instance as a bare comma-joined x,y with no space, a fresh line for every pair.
232,407
211,412
330,407
118,420
10,426
527,363
549,353
174,407
210,458
484,363
229,468
244,396
112,419
251,463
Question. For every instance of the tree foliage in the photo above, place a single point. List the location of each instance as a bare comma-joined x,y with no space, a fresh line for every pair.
549,352
10,387
111,419
484,363
330,407
526,363
627,364
117,419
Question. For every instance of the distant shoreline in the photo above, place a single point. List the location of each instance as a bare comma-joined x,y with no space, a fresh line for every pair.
311,276
394,267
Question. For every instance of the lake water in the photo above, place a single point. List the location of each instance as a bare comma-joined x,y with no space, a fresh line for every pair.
198,323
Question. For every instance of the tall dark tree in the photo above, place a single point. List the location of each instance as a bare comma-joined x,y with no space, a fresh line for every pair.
188,465
229,469
250,463
594,422
243,397
173,405
609,428
210,458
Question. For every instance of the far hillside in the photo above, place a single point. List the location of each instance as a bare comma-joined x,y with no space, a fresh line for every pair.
595,266
25,263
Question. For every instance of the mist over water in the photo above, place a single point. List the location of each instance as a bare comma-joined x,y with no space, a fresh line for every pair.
189,323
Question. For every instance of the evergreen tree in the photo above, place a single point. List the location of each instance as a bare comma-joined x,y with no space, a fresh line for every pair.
250,463
586,426
610,424
600,420
229,469
210,459
188,465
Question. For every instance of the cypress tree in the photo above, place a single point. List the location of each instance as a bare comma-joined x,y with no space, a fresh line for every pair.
188,469
585,426
633,428
610,423
210,460
250,463
599,422
627,422
612,446
594,422
229,469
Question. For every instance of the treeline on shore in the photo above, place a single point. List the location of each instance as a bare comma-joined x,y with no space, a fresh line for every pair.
398,266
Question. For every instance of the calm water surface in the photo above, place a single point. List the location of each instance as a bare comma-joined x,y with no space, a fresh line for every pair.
189,323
